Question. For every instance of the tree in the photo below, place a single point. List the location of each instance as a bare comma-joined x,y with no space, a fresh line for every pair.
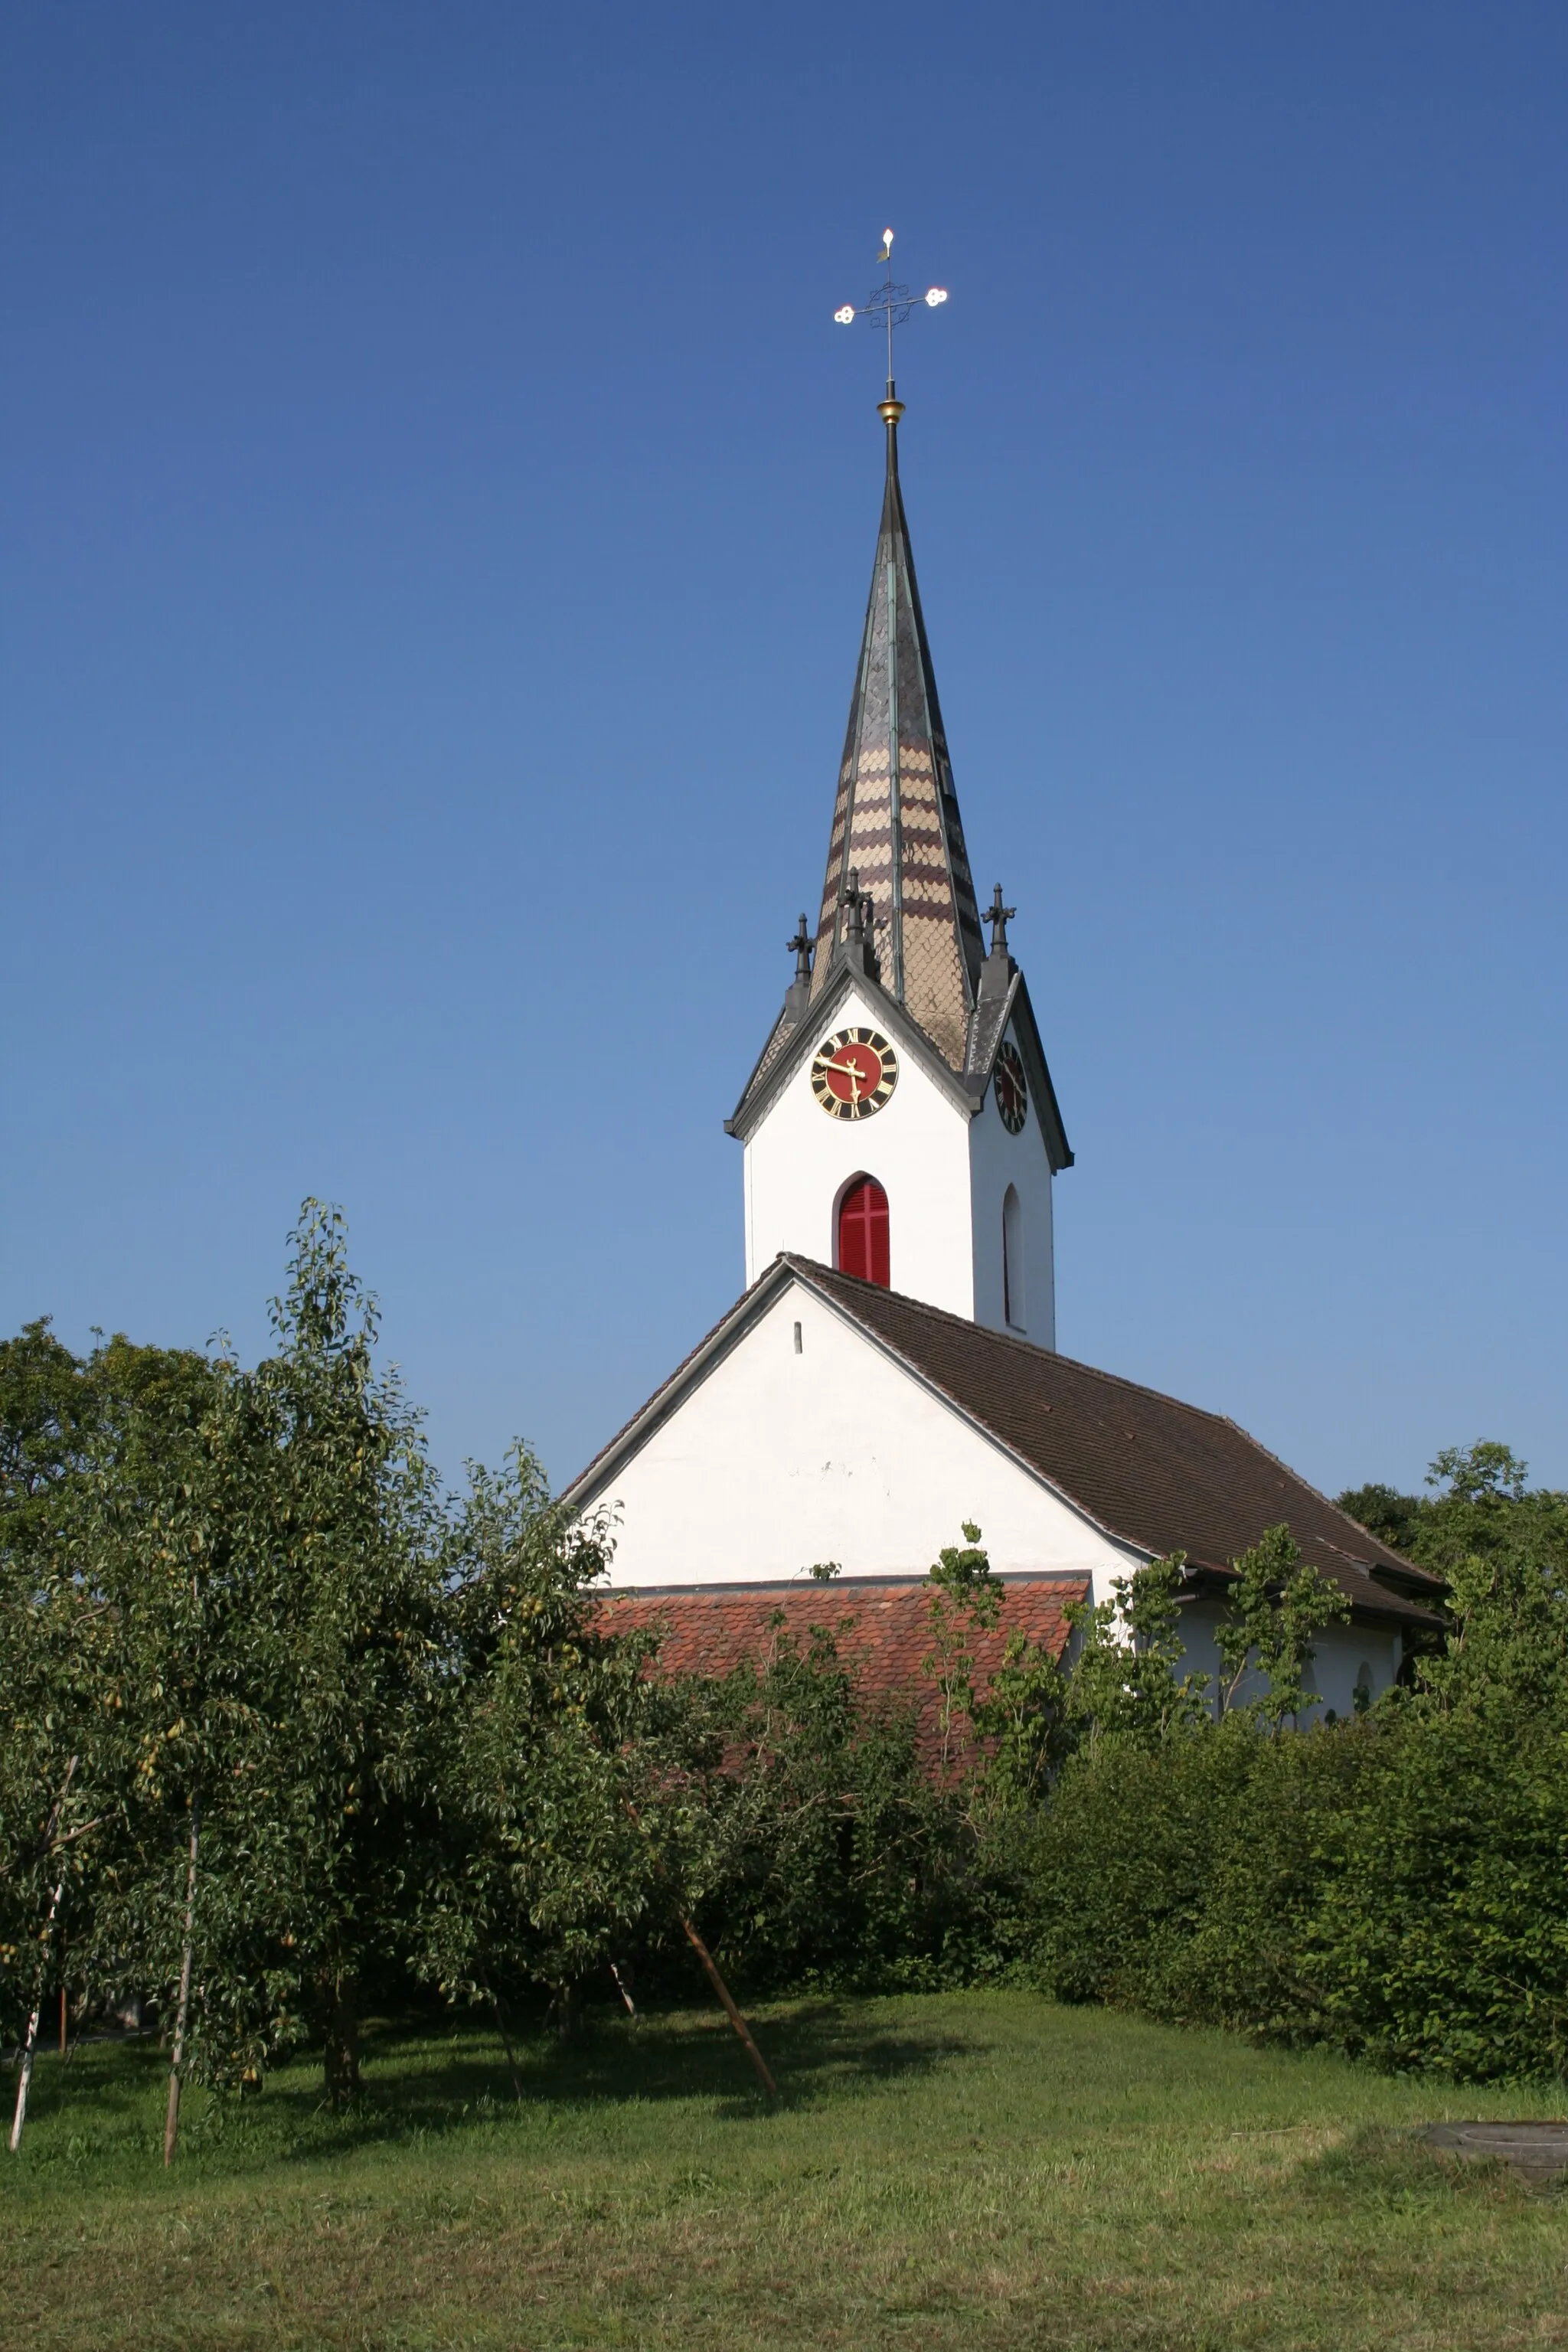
65,1754
541,1869
268,1571
1276,1604
341,1529
1127,1682
964,1597
1502,1547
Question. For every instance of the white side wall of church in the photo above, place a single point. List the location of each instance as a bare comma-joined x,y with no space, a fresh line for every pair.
799,1161
785,1456
1343,1655
997,1159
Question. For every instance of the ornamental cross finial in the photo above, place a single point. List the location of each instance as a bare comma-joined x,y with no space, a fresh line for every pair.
999,917
800,948
890,305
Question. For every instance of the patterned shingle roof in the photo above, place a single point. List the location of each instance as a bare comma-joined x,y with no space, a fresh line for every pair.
895,820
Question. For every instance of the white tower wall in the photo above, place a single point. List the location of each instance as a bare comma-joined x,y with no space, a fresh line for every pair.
997,1159
799,1161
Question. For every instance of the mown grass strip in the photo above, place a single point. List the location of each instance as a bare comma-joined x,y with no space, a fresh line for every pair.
975,2172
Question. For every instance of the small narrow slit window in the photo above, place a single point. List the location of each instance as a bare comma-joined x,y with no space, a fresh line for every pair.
1013,1300
863,1246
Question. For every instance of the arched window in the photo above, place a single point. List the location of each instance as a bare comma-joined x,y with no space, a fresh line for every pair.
862,1232
1012,1307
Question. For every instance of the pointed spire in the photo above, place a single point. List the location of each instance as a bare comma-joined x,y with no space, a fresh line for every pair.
896,820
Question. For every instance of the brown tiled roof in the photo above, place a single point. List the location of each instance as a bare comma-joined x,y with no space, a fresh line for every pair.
1165,1475
881,1627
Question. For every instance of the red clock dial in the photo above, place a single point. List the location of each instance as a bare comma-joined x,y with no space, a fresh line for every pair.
853,1073
1012,1094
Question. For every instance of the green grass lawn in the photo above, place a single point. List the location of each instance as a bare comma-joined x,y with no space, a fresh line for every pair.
968,2171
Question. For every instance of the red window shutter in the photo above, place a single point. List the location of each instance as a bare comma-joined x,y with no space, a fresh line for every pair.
863,1233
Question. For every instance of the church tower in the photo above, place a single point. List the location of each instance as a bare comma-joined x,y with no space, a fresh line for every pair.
900,1124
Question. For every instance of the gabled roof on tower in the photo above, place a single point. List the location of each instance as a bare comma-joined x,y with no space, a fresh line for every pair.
798,1030
896,824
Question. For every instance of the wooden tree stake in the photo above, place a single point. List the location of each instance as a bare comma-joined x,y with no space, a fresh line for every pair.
736,2020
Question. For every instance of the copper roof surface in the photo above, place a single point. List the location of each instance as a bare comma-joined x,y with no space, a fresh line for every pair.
881,1628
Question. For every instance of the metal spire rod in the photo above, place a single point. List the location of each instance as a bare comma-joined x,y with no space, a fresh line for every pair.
890,304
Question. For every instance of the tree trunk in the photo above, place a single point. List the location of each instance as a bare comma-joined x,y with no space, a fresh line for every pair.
30,2047
182,2013
506,2043
340,2053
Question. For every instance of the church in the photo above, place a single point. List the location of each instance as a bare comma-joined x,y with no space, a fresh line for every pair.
890,1370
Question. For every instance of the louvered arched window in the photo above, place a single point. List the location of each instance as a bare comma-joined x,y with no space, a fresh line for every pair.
862,1232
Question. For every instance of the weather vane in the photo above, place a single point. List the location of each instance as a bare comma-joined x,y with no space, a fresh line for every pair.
890,304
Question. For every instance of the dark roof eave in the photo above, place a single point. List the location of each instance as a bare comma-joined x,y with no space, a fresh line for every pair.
1207,1580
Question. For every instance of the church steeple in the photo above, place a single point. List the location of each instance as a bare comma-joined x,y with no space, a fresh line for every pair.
900,1123
895,822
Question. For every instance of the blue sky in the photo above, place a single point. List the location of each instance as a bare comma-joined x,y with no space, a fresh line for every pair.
438,511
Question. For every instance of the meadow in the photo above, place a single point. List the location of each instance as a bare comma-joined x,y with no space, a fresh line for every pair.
966,2172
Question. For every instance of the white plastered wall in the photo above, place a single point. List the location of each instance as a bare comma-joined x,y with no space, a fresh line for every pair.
997,1159
1340,1655
780,1458
799,1161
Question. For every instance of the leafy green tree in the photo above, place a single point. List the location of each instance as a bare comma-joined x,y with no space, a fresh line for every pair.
539,1870
65,1754
1128,1681
269,1572
340,1526
1272,1610
1015,1726
1022,1722
50,1406
1502,1546
964,1596
797,1823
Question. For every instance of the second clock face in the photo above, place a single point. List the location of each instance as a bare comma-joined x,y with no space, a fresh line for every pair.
853,1073
1012,1094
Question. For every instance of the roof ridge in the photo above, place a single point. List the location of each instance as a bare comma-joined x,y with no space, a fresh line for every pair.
892,1582
1136,1388
1014,1339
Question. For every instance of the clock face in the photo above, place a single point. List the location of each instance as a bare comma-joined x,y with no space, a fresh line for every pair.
853,1073
1012,1094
